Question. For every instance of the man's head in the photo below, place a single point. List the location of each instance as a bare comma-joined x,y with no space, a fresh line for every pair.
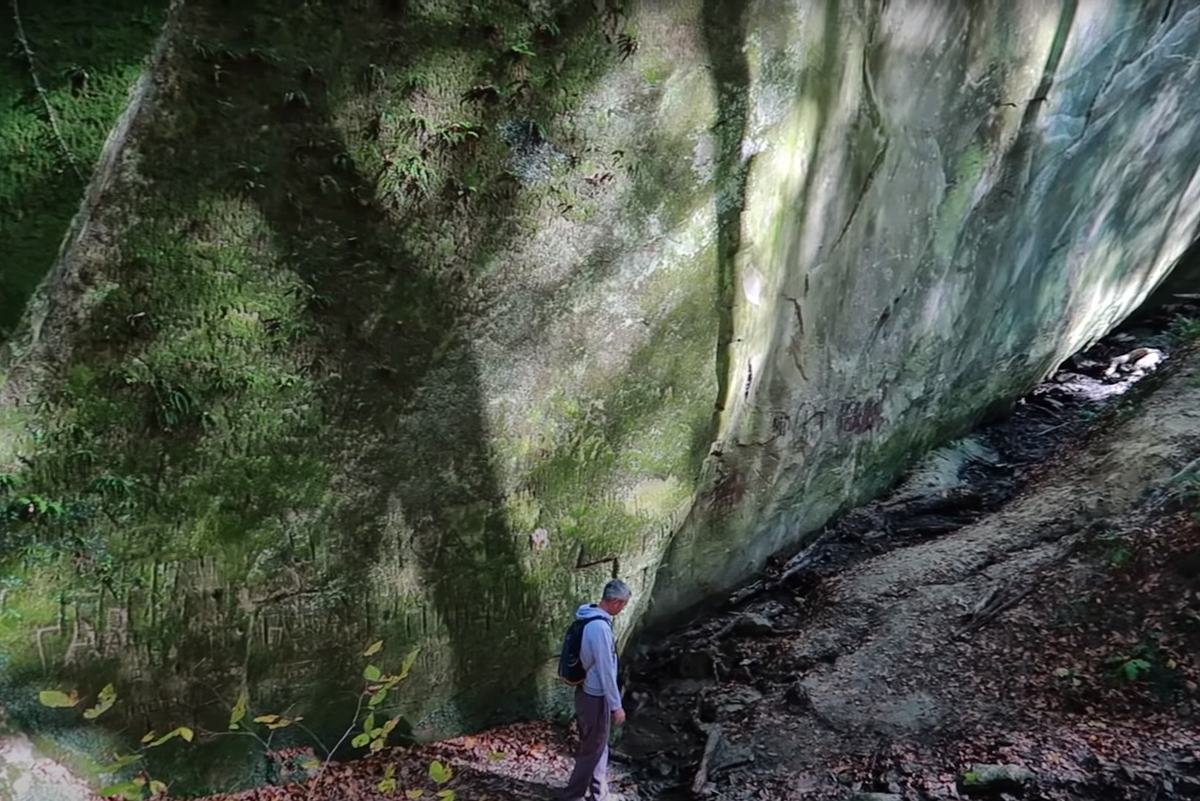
616,596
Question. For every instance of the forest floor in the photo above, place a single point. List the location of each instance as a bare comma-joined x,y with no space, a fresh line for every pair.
1021,617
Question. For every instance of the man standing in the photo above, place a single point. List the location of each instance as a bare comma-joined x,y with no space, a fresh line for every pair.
597,700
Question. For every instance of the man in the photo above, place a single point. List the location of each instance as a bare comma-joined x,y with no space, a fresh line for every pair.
597,700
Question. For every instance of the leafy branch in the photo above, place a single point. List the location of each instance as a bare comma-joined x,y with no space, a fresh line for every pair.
372,732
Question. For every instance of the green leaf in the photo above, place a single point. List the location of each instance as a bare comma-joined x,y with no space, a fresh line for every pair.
372,673
157,787
310,763
124,790
369,723
387,786
183,731
447,795
375,648
496,756
361,740
1134,668
97,711
414,793
377,699
122,762
377,745
390,772
104,702
439,772
409,661
238,713
54,698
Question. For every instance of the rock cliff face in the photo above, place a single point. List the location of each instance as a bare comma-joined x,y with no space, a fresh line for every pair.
396,320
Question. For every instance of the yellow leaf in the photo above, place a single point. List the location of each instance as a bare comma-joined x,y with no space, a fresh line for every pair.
99,709
54,698
239,709
148,736
390,772
447,795
417,793
496,756
439,772
375,648
182,731
266,718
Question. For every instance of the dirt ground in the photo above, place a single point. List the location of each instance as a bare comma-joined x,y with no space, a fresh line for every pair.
1028,599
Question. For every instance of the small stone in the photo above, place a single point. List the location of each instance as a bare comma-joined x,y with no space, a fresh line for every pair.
997,778
797,695
753,624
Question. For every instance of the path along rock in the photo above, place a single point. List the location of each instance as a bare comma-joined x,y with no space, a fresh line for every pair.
881,654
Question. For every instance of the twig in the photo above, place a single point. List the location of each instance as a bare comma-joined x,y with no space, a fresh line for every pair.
1169,488
710,746
993,604
41,90
1045,431
331,751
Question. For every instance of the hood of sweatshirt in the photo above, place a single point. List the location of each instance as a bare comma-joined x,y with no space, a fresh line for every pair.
589,611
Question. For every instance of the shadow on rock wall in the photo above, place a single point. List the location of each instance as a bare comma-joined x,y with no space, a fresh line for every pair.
286,448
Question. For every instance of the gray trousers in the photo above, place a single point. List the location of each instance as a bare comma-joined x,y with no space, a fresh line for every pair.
590,777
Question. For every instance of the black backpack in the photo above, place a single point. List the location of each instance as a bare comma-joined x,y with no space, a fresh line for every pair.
570,660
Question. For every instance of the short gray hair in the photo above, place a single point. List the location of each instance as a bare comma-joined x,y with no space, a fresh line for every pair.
617,590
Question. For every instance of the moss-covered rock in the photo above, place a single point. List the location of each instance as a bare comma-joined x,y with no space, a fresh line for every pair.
415,321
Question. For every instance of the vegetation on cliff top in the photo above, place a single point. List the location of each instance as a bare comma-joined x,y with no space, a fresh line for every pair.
86,63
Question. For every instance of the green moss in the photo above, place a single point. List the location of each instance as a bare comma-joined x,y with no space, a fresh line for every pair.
274,380
954,205
87,63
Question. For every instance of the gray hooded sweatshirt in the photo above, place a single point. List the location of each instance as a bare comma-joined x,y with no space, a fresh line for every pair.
598,654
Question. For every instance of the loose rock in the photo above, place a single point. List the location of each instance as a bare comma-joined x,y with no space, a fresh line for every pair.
996,778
